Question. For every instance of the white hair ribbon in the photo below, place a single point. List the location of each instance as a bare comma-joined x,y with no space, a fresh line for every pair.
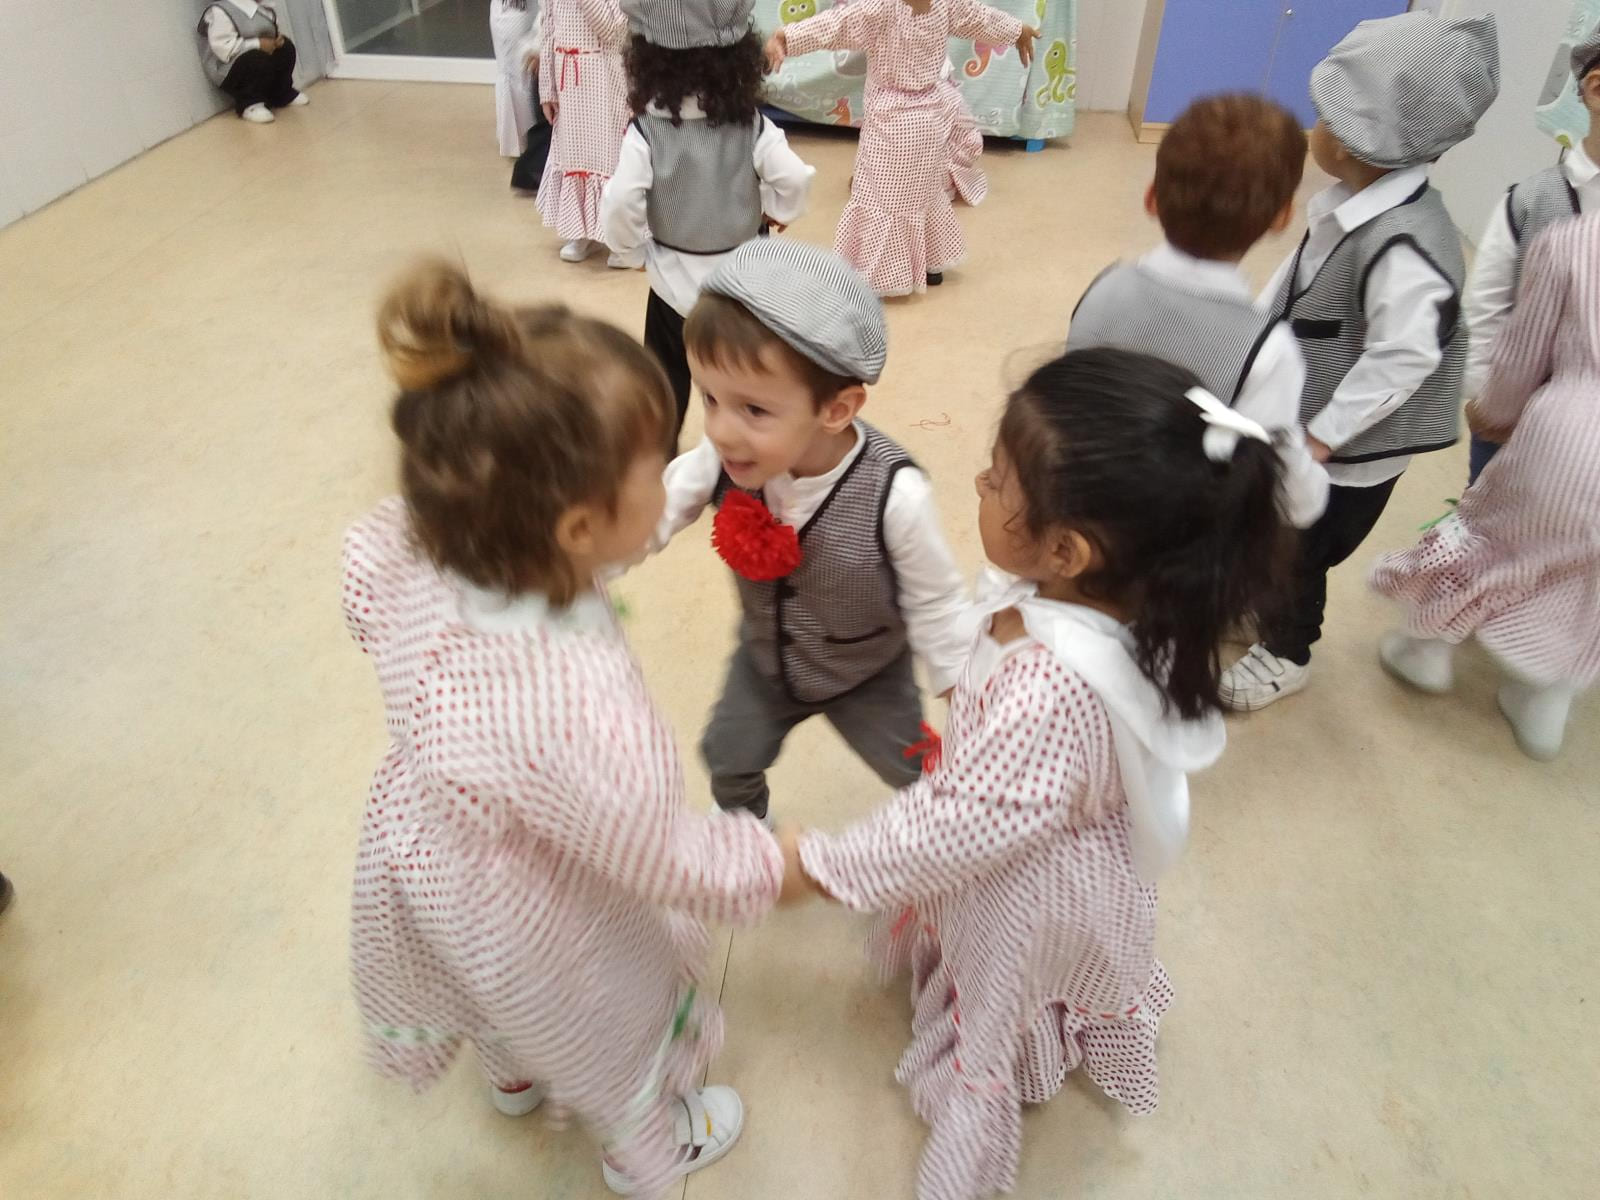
1224,427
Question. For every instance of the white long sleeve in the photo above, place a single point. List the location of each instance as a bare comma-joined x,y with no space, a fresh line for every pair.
1491,293
1271,396
1404,295
785,176
223,36
623,221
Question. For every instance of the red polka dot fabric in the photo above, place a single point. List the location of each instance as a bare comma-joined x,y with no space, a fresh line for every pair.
1518,564
530,881
580,68
917,138
1005,883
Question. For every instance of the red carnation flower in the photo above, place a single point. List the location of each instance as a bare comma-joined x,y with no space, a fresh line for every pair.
752,541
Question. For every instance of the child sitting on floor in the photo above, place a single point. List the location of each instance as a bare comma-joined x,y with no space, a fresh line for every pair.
246,56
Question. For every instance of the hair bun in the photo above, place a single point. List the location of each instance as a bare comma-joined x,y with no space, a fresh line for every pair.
433,326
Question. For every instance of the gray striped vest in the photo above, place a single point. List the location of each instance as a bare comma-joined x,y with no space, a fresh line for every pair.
1329,321
835,622
263,23
705,195
1534,205
1215,336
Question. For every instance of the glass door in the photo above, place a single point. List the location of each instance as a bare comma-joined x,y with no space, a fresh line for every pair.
441,41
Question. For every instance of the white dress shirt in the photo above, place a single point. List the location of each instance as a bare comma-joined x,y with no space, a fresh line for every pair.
933,597
223,35
1404,293
1491,291
675,276
1271,392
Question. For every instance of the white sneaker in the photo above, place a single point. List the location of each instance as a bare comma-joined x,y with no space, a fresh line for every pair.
300,100
258,114
1426,664
1537,715
577,250
625,262
519,1103
707,1125
1261,678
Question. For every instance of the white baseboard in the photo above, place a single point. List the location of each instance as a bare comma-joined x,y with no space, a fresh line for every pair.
409,68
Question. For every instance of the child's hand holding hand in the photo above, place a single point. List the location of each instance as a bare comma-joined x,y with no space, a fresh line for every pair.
777,50
550,109
797,885
1482,429
1320,450
1025,42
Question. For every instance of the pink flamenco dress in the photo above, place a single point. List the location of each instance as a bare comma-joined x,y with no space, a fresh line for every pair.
581,69
1517,564
917,138
530,881
1012,883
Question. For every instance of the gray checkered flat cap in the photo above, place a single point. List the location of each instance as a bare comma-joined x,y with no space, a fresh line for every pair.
1402,90
689,24
812,299
1586,54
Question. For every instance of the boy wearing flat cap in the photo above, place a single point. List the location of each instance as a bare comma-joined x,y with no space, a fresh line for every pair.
1563,190
1373,296
845,572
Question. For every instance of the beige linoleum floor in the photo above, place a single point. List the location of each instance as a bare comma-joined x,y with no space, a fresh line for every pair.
1384,936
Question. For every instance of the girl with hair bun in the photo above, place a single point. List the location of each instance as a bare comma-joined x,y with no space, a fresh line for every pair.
530,880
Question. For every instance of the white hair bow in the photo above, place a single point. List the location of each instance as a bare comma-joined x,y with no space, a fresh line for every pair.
1224,427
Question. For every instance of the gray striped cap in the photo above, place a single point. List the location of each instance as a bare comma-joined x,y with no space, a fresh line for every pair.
1586,54
1400,91
689,24
812,299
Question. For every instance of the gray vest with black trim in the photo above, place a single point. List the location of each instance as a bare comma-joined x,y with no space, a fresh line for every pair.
705,195
835,622
1215,336
1538,202
1329,321
262,23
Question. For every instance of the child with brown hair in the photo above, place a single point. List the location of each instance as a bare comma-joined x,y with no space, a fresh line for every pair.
1226,175
831,530
514,889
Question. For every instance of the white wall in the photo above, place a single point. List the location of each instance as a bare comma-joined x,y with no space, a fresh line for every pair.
88,84
1508,145
1108,42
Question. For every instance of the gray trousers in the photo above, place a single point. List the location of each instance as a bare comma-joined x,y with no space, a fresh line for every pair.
879,719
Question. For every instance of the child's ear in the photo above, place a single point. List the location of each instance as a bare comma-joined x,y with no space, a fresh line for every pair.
1589,92
840,409
576,530
1072,554
1283,220
1150,207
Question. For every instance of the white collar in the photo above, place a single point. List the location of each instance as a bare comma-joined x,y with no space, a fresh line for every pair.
689,110
1352,210
821,483
1196,274
494,612
1155,748
1580,169
247,7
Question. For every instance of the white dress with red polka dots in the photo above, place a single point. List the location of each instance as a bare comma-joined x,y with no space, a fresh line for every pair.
1006,882
580,68
530,880
917,138
1517,565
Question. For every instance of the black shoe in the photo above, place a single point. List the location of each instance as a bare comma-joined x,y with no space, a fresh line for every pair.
935,278
6,893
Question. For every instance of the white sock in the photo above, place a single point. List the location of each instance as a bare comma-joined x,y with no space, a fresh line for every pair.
1538,716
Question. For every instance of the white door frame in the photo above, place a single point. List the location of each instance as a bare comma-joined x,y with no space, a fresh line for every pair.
410,68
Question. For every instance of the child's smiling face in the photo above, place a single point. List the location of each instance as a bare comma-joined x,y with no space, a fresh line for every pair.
764,419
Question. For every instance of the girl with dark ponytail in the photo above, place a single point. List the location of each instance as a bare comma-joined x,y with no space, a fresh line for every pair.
1135,519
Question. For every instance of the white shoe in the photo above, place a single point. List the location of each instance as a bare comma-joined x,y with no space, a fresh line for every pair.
707,1124
577,250
300,100
1261,678
519,1103
1426,664
1537,715
625,262
258,114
